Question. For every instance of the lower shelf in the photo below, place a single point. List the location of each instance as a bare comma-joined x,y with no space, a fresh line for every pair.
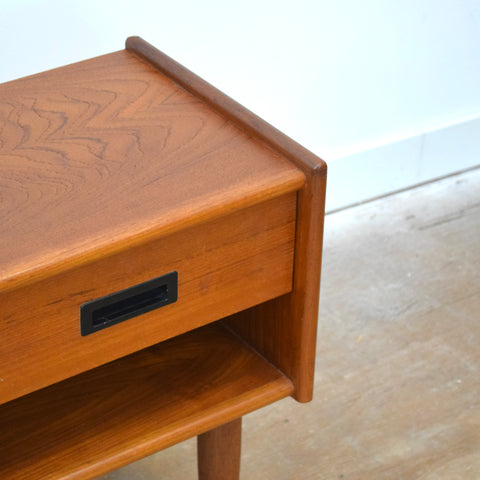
120,412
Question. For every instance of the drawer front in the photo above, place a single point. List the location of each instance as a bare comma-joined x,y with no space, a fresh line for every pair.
223,266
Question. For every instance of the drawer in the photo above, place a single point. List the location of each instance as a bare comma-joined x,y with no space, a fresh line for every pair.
224,265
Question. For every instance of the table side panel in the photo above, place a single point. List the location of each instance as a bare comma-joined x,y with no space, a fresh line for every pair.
284,329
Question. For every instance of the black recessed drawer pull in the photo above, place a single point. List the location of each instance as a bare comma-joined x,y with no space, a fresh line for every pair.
128,303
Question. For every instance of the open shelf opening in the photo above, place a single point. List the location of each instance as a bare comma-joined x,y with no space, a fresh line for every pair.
120,412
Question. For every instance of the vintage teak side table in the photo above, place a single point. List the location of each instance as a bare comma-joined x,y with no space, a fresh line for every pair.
159,267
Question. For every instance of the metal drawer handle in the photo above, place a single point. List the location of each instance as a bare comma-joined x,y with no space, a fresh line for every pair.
131,302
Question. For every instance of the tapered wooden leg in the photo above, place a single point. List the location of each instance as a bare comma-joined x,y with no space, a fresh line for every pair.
219,452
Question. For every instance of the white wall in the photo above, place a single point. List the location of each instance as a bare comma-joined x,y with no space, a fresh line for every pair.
339,76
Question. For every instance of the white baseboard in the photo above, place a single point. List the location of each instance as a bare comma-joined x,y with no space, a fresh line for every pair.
402,164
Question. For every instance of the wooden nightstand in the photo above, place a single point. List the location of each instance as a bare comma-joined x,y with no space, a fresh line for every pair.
159,267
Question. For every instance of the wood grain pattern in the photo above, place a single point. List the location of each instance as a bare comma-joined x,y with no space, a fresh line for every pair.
219,452
123,411
285,329
106,154
223,266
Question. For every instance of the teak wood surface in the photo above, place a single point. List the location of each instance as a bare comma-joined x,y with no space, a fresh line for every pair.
105,154
119,169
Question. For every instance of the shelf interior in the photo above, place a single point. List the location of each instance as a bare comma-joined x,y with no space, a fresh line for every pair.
120,412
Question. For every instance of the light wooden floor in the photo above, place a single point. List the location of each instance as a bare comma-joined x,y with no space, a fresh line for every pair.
398,362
